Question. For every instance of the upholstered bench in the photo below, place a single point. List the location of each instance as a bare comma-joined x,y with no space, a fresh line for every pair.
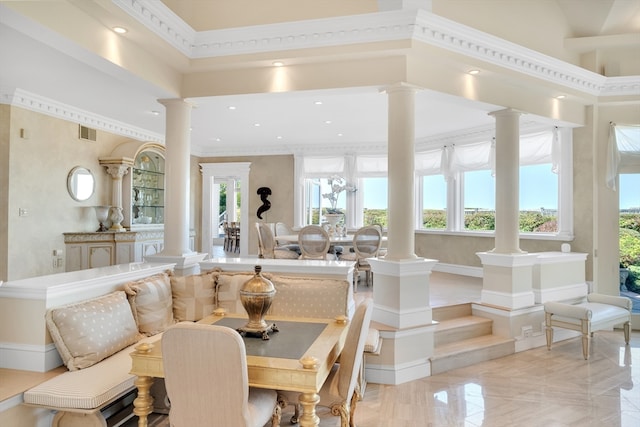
597,312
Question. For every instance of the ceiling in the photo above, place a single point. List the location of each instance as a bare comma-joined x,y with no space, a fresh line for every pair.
266,123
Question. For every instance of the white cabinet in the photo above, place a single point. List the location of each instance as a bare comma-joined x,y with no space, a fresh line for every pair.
101,249
147,189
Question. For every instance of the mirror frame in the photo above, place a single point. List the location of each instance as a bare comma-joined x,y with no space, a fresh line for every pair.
72,183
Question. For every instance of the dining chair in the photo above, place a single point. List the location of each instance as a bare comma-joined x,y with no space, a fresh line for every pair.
267,244
340,392
282,229
366,244
206,379
225,229
314,243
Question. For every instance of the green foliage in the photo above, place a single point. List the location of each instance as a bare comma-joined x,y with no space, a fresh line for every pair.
633,281
434,219
629,247
375,216
482,220
536,222
630,221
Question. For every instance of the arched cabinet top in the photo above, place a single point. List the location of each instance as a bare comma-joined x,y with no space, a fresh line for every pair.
129,150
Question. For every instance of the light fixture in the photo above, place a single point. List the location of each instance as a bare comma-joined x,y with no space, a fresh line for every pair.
155,113
474,72
120,30
318,102
256,124
561,96
327,122
277,63
279,137
232,107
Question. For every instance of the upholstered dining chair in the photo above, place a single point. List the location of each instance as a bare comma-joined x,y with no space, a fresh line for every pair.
282,229
314,243
366,244
340,392
267,244
206,379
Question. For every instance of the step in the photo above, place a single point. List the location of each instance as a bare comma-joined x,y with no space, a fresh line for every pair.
461,328
469,352
448,312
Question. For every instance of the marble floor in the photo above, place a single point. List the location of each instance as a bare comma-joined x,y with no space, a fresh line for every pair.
534,388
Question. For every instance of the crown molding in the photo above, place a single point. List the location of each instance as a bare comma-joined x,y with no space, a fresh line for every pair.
43,105
419,25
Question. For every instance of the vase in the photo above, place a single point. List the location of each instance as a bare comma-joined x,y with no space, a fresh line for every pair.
102,213
333,219
116,218
256,296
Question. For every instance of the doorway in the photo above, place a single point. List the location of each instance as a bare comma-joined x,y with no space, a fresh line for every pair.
235,177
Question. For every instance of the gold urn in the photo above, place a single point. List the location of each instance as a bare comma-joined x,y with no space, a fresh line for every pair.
256,296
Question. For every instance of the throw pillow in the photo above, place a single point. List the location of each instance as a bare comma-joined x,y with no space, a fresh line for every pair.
193,296
87,332
151,303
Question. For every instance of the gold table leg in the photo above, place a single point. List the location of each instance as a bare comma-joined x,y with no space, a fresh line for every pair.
308,401
143,404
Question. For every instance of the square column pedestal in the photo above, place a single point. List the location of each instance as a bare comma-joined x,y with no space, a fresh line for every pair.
402,314
507,279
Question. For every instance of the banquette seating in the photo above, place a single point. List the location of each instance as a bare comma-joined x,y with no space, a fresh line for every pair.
96,336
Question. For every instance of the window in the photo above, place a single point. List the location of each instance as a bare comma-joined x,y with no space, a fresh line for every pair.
455,186
434,202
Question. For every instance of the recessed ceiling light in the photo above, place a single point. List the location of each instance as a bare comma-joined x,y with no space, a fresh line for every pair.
120,30
277,63
561,96
327,122
232,107
155,113
339,134
474,72
278,137
256,124
318,102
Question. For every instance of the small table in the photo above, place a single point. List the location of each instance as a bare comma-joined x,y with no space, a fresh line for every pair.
298,358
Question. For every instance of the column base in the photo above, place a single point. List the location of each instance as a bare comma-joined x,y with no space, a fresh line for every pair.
507,279
185,264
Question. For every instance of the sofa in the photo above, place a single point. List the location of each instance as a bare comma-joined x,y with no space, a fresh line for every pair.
95,337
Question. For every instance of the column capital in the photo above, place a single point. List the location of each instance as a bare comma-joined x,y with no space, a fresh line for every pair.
401,87
506,112
175,101
116,171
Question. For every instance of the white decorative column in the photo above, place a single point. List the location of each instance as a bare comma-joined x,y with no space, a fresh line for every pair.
177,190
507,271
401,173
117,171
401,279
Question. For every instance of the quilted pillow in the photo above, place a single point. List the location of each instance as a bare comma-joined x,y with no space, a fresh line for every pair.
87,332
151,303
193,296
304,297
229,285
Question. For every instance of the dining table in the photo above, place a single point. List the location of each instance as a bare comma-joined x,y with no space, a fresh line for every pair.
334,239
298,357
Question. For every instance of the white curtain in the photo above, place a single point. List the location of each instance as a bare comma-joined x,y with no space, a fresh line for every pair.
623,151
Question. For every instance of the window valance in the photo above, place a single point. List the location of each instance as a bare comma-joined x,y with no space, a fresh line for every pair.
623,151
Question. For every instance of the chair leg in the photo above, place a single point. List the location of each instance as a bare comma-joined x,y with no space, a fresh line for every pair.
627,328
276,417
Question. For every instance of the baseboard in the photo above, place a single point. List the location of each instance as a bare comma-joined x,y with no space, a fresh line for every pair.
397,374
26,357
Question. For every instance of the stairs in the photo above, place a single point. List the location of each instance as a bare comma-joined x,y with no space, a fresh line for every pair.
462,339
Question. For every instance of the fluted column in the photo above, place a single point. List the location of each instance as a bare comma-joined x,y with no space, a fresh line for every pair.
115,215
177,172
507,234
400,152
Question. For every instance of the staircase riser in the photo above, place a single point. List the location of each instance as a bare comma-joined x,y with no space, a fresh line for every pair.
451,312
462,333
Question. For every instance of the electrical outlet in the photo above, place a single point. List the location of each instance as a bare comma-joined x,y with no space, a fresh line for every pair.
527,331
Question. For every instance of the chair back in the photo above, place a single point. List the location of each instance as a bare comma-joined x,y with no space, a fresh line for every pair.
266,241
367,241
206,377
282,229
314,242
352,353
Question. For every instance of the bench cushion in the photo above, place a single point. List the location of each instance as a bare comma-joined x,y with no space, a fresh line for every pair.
151,303
594,312
87,332
193,296
305,297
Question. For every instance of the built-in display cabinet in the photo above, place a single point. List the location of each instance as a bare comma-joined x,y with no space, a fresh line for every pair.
147,189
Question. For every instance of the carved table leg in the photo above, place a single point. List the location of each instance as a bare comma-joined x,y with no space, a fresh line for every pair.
308,401
143,404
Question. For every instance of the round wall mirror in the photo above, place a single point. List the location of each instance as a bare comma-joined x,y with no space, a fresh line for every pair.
81,184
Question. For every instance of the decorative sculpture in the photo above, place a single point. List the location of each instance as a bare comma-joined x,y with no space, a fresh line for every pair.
264,192
256,296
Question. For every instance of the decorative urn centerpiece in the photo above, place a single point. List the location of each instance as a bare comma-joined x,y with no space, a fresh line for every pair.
256,296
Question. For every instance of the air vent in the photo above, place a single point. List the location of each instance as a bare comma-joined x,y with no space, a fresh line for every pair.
87,134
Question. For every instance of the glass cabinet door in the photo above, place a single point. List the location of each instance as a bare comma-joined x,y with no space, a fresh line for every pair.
147,189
